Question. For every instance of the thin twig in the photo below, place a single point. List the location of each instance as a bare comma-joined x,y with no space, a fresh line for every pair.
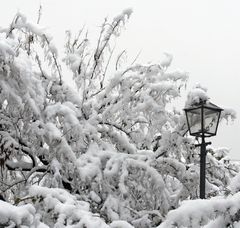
24,199
39,14
96,54
117,127
67,131
106,67
99,91
118,59
78,36
32,171
99,54
136,57
55,60
40,67
14,21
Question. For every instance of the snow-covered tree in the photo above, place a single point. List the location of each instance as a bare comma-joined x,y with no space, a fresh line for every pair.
109,152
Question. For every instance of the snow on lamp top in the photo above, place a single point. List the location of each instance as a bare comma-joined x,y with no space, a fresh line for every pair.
196,96
202,116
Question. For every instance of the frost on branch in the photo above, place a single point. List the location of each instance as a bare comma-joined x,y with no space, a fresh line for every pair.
109,152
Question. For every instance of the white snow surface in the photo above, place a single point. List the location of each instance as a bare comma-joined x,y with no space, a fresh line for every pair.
19,215
68,207
196,213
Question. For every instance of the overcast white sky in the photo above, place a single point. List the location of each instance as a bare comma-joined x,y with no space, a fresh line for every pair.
203,36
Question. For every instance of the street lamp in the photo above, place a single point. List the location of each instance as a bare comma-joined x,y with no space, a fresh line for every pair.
202,120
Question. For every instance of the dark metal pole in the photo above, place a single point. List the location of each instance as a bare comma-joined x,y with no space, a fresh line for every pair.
202,168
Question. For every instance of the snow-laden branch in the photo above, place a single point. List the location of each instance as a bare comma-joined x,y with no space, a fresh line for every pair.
197,213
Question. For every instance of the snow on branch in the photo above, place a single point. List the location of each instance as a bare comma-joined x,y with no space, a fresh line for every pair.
197,213
19,216
228,114
108,152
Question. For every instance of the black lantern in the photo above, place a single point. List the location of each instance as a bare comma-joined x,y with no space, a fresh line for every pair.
202,120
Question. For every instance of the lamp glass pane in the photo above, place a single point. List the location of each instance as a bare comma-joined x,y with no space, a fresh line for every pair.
194,120
211,121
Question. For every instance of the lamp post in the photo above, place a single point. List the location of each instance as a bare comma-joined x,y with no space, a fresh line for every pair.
202,120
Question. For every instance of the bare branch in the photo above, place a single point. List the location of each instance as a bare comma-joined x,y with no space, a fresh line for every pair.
136,57
118,59
39,14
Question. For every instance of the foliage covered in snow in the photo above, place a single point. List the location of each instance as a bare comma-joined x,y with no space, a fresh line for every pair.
109,152
216,212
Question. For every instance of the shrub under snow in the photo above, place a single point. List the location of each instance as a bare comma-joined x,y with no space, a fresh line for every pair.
110,152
